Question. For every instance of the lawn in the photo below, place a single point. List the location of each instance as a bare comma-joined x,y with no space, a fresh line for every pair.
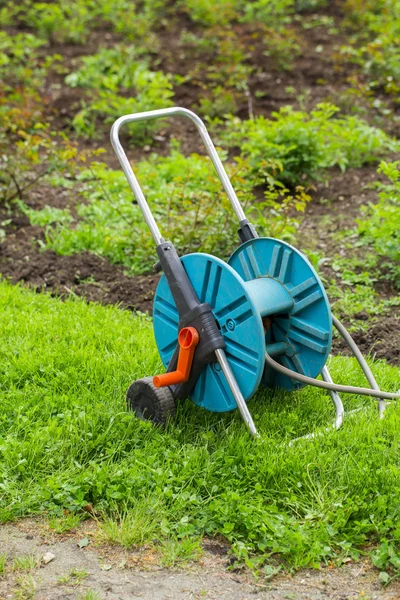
301,99
67,441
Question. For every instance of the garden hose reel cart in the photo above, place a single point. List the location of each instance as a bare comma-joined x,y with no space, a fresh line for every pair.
224,328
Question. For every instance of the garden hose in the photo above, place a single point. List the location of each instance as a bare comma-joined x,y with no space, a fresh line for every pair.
345,389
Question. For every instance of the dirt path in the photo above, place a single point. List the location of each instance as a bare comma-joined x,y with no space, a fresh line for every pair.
99,571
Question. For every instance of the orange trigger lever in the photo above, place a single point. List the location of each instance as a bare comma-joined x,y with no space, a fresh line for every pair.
188,339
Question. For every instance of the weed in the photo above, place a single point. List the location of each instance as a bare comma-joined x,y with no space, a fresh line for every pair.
110,73
65,523
74,577
187,197
25,563
176,551
26,589
134,527
3,563
381,227
67,21
306,143
387,559
90,595
375,44
21,62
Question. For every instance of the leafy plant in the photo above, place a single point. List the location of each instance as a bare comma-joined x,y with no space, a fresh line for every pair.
211,12
387,559
21,63
187,199
64,21
29,151
306,143
375,43
381,225
122,84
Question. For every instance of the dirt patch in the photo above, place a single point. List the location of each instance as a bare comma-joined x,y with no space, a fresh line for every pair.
116,574
85,274
381,340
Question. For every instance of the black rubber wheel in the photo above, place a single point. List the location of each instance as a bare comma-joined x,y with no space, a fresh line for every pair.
150,403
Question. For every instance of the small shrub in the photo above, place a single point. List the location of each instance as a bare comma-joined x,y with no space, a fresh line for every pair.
306,143
374,46
68,21
381,225
212,12
30,151
121,84
21,63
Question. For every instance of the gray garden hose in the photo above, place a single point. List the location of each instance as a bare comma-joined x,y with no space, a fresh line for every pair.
361,360
345,389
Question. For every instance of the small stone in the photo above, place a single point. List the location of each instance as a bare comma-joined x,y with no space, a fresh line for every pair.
48,557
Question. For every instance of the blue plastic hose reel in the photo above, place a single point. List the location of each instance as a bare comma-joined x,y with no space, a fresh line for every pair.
303,333
267,297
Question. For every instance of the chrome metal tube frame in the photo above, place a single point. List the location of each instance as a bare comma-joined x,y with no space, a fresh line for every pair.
337,402
132,180
237,394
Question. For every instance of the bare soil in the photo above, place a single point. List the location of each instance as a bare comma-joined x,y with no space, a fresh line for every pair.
118,574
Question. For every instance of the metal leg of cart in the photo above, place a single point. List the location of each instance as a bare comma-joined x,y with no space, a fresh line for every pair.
240,401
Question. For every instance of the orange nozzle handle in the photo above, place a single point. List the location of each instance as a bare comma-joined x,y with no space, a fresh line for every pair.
188,339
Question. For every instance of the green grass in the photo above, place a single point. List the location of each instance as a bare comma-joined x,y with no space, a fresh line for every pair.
73,577
180,551
67,440
25,563
3,563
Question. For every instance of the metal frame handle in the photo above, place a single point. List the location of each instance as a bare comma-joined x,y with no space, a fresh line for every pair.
132,180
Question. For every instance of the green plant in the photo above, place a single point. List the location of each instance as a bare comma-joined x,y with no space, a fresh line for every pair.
27,562
26,587
387,559
64,21
90,595
209,12
64,523
176,551
3,563
134,527
306,143
73,577
187,198
122,84
381,225
21,63
374,46
29,151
